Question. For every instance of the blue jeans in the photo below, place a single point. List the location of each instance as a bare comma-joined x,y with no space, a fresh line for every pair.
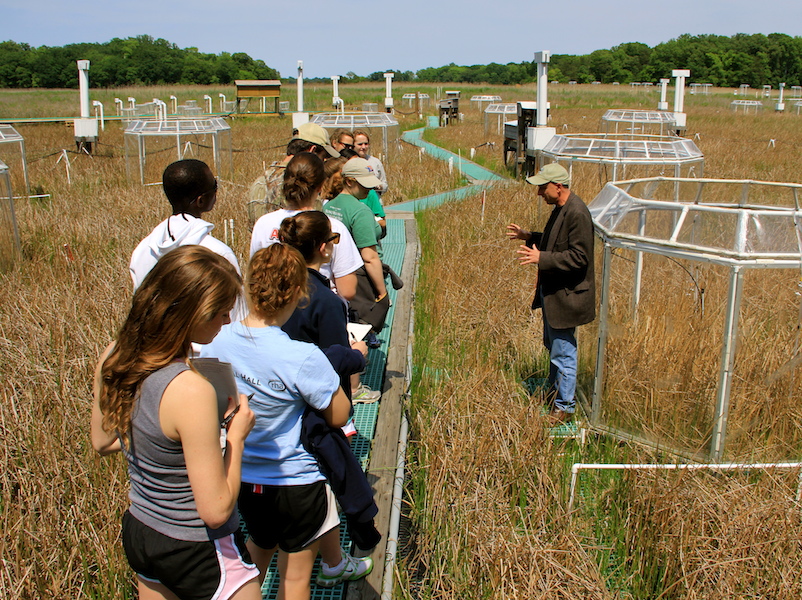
561,344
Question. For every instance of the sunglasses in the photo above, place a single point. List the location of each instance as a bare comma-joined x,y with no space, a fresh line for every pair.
334,237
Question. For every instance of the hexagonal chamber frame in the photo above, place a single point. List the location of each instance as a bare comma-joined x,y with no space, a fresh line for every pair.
152,145
706,349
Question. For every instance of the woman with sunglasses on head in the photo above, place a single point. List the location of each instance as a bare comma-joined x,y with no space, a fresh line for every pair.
181,532
323,320
303,179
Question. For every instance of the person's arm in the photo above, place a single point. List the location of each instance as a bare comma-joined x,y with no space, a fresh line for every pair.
336,413
103,442
346,285
188,413
373,266
382,177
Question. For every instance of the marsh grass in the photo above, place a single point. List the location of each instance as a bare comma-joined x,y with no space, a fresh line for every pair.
485,483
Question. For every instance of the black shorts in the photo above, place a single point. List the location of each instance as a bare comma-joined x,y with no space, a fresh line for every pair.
191,570
289,517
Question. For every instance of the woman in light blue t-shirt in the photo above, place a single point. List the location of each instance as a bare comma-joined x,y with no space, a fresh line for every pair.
285,501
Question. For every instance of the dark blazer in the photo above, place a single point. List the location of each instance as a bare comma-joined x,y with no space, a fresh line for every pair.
566,278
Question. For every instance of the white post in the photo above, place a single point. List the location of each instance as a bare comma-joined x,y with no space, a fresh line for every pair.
222,102
335,83
85,127
207,100
542,58
537,137
83,85
663,104
300,81
388,91
174,104
679,96
119,105
131,102
780,106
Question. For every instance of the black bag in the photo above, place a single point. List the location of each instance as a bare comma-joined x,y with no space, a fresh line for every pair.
364,303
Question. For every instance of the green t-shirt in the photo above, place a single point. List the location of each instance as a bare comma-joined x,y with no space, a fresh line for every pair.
374,203
357,218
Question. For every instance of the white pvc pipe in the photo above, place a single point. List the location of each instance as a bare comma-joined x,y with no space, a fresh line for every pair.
119,105
222,102
207,99
131,102
99,109
174,104
679,467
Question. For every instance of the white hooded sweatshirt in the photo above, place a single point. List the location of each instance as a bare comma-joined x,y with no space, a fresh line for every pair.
184,230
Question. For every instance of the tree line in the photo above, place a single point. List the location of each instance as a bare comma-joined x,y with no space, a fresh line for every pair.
721,60
724,61
139,60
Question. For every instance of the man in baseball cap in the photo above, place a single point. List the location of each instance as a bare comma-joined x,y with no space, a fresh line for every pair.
315,134
566,284
552,172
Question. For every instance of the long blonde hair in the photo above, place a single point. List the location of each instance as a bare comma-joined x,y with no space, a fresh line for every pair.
187,287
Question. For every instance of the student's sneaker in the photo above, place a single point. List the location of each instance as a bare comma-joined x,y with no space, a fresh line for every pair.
365,395
353,568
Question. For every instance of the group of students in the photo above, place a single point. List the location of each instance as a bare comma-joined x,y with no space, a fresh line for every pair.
295,367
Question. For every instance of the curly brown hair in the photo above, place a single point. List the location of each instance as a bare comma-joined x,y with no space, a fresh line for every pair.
333,183
276,277
187,287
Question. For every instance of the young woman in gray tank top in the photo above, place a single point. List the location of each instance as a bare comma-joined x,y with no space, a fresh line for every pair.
181,532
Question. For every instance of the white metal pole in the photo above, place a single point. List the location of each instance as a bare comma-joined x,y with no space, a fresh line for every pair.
388,91
727,362
83,85
601,349
335,83
542,58
300,82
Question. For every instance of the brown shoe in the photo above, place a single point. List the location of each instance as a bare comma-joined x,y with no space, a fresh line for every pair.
557,416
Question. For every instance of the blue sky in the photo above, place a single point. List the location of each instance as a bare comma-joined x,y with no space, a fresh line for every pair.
333,38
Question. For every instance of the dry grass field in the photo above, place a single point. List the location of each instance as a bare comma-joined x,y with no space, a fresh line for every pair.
487,488
488,492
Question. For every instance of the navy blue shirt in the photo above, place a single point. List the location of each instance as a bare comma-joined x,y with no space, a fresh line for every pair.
323,320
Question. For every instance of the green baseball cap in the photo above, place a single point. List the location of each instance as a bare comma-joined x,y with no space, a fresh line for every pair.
553,173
